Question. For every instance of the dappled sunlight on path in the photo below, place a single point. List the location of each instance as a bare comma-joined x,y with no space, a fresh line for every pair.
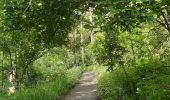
85,90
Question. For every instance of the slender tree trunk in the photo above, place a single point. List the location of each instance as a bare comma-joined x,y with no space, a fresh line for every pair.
82,45
10,57
16,70
11,64
168,39
91,30
166,20
91,34
2,72
74,47
11,76
163,20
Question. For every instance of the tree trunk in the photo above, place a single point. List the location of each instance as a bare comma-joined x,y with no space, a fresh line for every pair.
74,47
16,70
11,76
91,34
82,45
2,72
91,29
163,20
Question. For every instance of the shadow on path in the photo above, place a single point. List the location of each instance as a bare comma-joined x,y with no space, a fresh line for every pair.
85,90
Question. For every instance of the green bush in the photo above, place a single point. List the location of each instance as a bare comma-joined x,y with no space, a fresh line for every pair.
49,91
149,82
89,68
115,86
49,68
153,82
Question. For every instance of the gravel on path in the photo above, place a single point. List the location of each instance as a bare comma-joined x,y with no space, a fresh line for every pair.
85,90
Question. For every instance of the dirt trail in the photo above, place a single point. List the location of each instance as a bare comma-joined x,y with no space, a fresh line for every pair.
85,90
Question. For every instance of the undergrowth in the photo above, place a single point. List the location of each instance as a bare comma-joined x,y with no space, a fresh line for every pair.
51,90
150,81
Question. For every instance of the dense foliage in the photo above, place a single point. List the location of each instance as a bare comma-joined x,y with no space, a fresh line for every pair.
42,41
51,91
150,81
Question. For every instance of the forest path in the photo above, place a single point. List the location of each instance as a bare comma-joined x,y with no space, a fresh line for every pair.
85,90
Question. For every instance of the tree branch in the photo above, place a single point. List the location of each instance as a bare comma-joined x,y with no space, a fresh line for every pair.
162,24
166,21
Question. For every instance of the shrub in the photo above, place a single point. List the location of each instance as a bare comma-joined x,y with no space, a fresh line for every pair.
148,82
153,82
115,86
51,90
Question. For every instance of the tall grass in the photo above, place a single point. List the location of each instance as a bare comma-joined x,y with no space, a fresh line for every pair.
49,91
149,81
